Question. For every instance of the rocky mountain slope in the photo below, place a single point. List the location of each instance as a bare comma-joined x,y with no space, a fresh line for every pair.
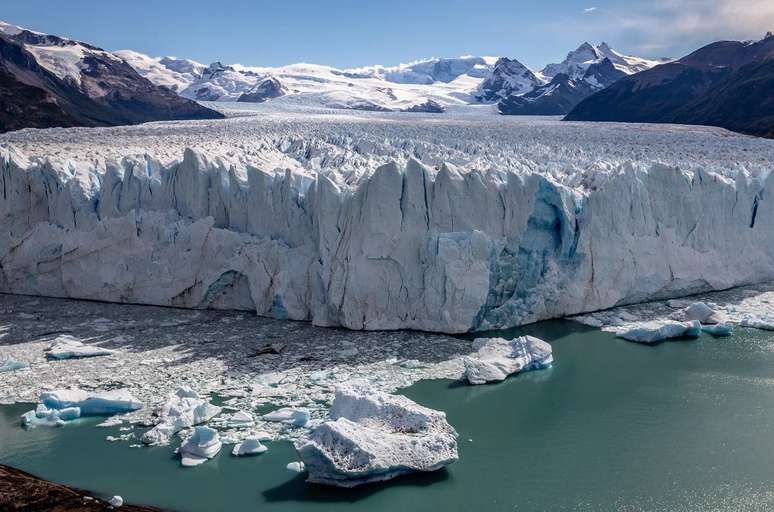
584,71
728,84
51,81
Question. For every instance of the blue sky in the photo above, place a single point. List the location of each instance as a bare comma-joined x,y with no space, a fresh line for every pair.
348,33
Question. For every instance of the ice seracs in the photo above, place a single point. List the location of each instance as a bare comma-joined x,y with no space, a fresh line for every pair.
204,444
184,409
374,436
660,330
68,347
497,358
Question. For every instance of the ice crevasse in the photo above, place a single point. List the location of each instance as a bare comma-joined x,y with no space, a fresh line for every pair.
404,246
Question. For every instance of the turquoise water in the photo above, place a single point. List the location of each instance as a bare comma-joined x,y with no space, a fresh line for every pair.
682,426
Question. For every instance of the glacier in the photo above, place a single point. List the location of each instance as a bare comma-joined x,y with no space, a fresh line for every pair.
380,221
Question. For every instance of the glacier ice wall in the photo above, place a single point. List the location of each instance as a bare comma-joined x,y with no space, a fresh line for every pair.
407,246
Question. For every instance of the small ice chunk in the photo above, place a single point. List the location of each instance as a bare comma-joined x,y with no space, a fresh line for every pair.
496,358
204,444
718,330
116,501
289,416
660,330
295,467
10,364
116,401
67,347
249,446
241,418
701,312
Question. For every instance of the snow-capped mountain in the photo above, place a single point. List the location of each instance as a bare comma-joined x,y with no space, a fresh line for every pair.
578,61
406,87
53,81
727,83
508,78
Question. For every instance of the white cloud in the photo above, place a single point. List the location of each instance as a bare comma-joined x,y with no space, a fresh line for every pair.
589,9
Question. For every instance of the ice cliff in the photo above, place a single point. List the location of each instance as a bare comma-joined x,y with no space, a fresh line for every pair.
411,242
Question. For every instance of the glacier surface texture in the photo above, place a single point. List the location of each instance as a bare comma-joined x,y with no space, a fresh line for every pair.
456,223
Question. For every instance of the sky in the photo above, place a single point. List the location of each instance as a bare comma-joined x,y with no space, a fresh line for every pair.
352,33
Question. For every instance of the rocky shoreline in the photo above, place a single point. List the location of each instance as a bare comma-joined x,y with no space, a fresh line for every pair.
23,492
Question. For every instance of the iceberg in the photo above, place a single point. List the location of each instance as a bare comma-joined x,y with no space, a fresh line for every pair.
43,416
718,330
763,322
10,364
117,401
249,446
241,419
288,415
497,358
183,409
660,330
67,347
374,436
116,501
295,467
204,444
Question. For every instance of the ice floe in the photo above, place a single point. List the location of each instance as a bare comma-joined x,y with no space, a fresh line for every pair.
497,358
660,330
290,416
67,347
91,403
204,444
374,436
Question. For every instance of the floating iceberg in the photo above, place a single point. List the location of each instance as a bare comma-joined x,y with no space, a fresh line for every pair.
496,358
184,409
295,467
763,322
117,401
204,444
43,416
249,446
288,415
10,364
116,501
660,330
374,436
67,347
718,330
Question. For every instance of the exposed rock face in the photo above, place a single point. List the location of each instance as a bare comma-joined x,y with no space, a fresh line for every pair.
374,436
429,107
509,78
563,92
22,491
497,358
51,81
728,84
265,90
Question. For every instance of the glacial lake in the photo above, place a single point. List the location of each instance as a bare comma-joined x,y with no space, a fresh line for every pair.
681,426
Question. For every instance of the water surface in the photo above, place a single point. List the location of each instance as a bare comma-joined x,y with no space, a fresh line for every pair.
682,426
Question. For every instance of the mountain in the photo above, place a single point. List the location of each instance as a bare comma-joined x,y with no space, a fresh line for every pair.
561,86
508,78
563,92
51,81
728,84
